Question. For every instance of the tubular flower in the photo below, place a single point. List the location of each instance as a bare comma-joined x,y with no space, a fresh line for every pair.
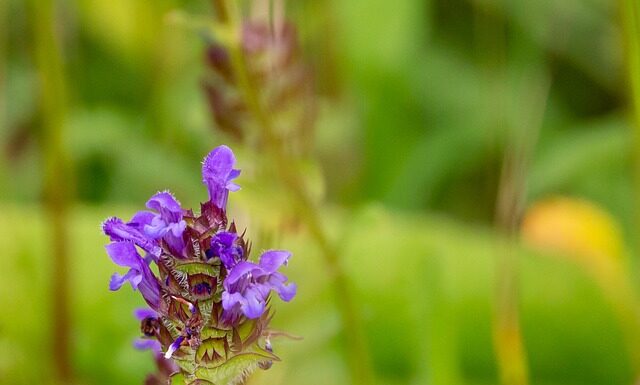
208,303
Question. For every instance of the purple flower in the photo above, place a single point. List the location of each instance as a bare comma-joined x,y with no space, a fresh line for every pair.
147,344
139,275
224,246
147,317
248,285
218,173
132,232
142,313
173,347
165,223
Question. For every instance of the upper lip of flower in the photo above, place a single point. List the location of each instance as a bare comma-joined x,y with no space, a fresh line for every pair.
117,230
218,173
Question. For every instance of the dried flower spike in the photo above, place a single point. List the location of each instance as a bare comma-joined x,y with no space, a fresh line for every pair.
208,303
277,71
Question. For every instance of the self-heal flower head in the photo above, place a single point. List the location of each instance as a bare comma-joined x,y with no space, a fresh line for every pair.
217,175
208,303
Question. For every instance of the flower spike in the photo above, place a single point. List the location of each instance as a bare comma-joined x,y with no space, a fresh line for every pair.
208,302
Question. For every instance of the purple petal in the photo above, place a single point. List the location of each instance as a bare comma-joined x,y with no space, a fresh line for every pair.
217,173
118,280
233,174
149,287
119,231
230,300
248,286
168,223
124,254
287,292
176,229
165,204
233,187
140,275
223,245
271,260
218,165
141,219
174,237
143,313
173,347
157,228
225,238
145,344
239,271
150,258
254,304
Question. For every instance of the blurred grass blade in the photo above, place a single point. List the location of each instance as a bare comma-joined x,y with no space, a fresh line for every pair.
630,17
4,33
53,111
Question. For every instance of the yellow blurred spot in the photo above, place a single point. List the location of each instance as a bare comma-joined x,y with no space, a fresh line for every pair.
575,227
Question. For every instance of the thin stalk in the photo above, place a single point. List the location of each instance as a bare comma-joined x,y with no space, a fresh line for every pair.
507,335
4,32
630,12
523,134
328,59
48,61
361,372
630,20
508,341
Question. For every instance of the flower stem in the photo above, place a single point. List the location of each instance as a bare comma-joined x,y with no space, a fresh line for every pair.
47,55
361,372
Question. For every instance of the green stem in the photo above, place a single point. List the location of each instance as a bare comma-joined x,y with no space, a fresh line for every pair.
56,194
508,341
4,32
361,372
630,10
630,19
507,335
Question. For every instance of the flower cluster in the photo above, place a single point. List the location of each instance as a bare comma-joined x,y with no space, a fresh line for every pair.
208,303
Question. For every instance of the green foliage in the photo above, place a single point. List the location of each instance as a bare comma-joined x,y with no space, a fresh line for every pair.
423,284
407,118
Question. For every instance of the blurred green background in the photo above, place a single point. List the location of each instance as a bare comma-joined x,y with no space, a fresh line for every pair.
430,115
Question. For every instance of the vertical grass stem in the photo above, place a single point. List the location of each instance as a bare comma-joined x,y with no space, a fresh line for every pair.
48,59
